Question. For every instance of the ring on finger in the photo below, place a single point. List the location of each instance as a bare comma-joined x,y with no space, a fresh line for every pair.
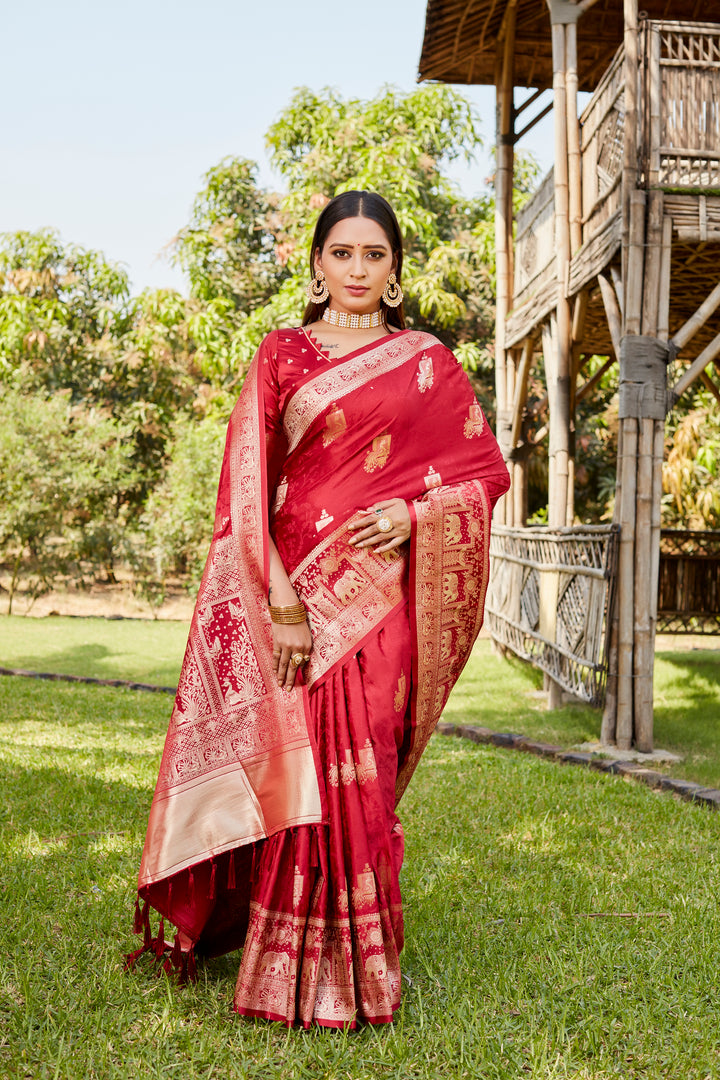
385,524
378,510
297,659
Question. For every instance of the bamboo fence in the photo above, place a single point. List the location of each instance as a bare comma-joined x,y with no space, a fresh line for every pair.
548,601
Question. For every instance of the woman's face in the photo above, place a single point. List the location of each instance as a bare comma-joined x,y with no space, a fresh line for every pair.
356,260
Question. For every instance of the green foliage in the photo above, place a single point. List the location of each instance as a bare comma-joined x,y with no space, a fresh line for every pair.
177,524
64,471
228,249
596,424
691,472
62,310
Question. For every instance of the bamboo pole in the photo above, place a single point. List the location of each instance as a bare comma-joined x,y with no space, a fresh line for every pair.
653,263
612,312
626,576
643,636
663,328
609,720
688,330
560,415
519,494
573,139
632,276
710,385
510,378
503,230
521,387
630,147
634,286
690,375
645,600
548,345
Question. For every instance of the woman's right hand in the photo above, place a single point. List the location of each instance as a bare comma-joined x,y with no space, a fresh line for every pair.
288,639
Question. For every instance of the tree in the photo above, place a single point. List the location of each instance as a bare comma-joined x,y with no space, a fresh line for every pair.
67,323
61,469
174,533
228,247
691,472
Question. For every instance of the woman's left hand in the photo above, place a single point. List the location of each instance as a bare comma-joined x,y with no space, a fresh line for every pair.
369,534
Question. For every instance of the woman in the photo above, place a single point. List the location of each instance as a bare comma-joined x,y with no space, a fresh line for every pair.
355,496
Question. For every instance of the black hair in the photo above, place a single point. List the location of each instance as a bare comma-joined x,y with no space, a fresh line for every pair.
366,204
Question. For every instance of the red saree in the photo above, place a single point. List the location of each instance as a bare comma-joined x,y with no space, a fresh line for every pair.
273,824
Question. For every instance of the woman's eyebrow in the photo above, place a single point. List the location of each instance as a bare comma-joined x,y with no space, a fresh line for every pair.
366,247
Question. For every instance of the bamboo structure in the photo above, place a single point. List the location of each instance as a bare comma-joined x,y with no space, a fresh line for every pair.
616,255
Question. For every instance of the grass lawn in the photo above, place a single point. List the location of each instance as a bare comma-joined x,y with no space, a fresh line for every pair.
136,649
519,961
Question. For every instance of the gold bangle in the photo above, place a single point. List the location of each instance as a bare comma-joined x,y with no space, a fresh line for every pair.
290,609
286,620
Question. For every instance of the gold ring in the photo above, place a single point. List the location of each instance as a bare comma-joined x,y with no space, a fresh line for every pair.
306,659
297,659
385,524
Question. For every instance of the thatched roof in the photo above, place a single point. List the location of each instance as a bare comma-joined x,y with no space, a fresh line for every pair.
461,38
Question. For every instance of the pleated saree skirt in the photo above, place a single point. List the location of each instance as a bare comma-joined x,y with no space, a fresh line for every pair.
326,927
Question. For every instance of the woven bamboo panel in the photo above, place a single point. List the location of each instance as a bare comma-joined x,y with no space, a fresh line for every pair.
535,249
582,561
602,130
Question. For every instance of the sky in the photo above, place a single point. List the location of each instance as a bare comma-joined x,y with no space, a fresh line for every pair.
113,113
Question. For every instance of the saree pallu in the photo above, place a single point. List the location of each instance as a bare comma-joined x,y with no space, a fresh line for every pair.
273,823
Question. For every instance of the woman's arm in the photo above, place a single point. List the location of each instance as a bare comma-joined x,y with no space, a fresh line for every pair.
287,639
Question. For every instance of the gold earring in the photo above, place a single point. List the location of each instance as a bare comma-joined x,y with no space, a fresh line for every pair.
317,291
393,294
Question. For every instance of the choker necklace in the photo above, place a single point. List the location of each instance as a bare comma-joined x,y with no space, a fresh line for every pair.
352,322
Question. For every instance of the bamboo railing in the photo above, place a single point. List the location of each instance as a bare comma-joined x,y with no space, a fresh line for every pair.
689,583
549,595
678,140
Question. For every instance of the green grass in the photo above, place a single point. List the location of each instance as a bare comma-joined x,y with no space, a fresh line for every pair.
505,695
136,649
508,974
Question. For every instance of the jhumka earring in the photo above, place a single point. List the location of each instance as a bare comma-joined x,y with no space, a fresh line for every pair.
393,294
317,291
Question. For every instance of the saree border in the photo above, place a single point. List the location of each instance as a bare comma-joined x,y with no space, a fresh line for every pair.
232,727
349,592
449,573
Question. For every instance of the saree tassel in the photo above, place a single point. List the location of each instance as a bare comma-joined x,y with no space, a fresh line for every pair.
139,915
212,893
176,954
231,871
159,943
191,966
130,958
